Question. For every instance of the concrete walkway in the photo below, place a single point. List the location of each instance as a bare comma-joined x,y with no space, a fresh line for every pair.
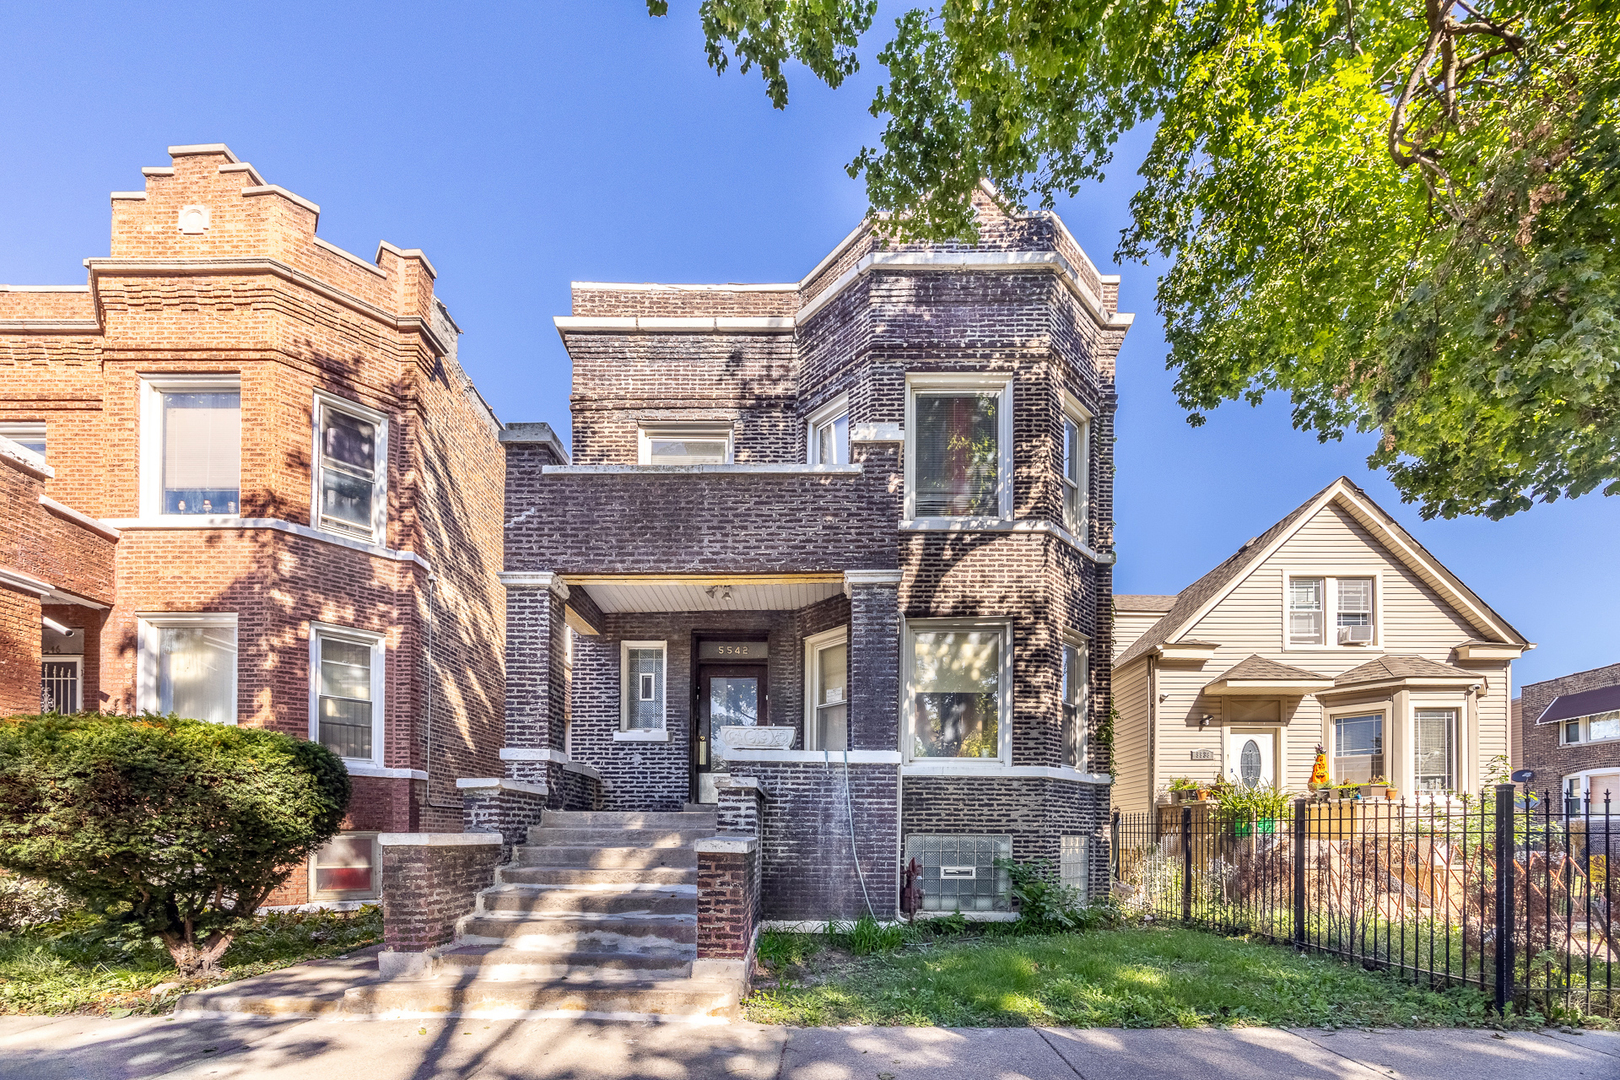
93,1048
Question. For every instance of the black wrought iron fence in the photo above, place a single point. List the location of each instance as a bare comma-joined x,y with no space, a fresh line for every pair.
1512,893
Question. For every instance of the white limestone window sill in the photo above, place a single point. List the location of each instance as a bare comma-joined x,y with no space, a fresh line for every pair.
642,735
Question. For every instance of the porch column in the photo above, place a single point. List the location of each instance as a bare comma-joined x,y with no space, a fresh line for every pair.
874,658
535,687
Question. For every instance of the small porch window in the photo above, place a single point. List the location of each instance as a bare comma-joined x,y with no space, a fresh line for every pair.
1358,748
642,694
686,444
826,666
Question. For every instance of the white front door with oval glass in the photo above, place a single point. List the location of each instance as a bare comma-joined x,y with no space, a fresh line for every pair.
1251,756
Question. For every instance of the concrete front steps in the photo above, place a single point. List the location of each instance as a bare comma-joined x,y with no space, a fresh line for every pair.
595,916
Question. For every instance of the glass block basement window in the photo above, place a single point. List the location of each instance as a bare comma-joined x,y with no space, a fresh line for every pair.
1072,865
959,872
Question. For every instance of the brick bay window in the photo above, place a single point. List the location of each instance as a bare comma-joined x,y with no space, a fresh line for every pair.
827,434
187,664
350,493
191,445
641,693
1075,687
684,444
1075,469
959,448
826,690
1331,612
346,692
346,868
958,694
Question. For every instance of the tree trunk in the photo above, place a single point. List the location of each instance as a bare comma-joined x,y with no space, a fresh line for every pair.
197,961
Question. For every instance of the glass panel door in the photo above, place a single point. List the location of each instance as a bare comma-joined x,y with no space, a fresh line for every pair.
729,695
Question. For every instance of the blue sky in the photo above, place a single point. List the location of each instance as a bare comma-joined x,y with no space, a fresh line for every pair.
525,145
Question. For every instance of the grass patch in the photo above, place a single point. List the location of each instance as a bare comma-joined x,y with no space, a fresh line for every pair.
1133,977
78,964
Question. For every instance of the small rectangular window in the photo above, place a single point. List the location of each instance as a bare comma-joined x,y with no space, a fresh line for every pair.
960,872
1075,478
1572,731
955,692
827,675
706,444
643,686
1358,748
1434,747
188,665
1074,701
958,454
829,434
1305,610
351,469
202,451
345,709
1072,865
30,435
1603,726
345,868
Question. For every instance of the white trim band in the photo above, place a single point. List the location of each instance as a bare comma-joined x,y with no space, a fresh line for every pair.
203,523
728,845
877,433
816,757
772,324
545,753
438,839
954,768
1019,525
365,768
476,785
66,511
702,470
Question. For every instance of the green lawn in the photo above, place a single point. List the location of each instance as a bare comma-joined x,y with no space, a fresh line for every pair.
1098,978
74,965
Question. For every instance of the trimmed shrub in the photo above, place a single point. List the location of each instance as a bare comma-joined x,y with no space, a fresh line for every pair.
180,828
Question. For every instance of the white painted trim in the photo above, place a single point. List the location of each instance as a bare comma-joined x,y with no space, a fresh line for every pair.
1004,688
626,733
152,388
236,167
863,228
499,783
366,768
932,383
830,410
88,522
128,196
701,470
1330,577
770,324
203,523
379,463
965,767
731,845
45,288
658,286
643,734
163,170
189,149
812,647
816,757
379,686
710,430
407,254
327,245
528,753
11,579
149,640
856,578
1016,525
277,189
1478,650
438,839
877,433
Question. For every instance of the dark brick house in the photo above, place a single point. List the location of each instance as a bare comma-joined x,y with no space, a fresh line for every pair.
849,537
1569,733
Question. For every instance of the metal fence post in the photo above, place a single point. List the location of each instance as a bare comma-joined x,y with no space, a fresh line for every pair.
1186,864
1504,895
1113,845
1300,813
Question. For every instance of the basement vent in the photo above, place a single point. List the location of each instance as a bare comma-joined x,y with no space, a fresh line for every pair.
959,872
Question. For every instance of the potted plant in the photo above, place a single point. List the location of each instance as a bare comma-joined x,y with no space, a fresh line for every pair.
1253,810
1347,791
1183,789
1377,788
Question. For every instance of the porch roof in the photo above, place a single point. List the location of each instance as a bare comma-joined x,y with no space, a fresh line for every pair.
707,592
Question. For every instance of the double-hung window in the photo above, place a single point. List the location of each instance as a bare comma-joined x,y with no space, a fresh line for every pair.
641,693
1434,749
1331,611
958,701
191,445
346,691
959,461
1358,748
1075,699
684,444
187,664
827,435
29,434
1075,473
826,698
351,469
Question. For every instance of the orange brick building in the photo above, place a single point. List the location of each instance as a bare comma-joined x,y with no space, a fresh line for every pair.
299,491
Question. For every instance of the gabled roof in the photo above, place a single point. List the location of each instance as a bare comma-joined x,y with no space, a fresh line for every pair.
1144,602
1193,602
1392,668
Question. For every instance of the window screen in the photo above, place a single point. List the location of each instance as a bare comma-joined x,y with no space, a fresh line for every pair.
1355,605
958,455
956,699
959,872
345,705
202,452
644,688
830,684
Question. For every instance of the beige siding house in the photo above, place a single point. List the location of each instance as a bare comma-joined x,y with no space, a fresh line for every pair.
1333,627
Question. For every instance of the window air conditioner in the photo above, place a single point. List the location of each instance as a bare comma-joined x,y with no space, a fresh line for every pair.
1355,635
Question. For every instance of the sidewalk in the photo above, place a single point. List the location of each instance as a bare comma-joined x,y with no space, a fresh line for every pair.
94,1048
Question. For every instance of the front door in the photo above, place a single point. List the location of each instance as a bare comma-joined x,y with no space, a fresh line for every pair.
729,695
1251,756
